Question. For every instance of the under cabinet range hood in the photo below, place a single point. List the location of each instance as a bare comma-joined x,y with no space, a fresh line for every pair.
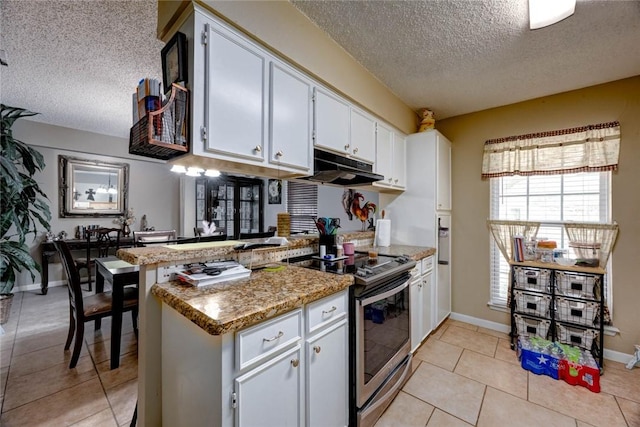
331,168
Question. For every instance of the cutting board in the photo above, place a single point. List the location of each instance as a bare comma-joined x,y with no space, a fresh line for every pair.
204,245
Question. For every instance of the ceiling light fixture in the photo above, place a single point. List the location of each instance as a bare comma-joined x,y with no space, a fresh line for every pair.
543,13
212,173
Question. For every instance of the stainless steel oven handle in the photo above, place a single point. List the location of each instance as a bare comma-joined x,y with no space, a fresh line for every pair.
393,389
384,295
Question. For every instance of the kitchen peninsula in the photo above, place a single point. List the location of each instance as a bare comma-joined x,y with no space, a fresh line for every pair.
193,337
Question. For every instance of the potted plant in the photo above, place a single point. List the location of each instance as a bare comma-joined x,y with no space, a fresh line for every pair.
23,206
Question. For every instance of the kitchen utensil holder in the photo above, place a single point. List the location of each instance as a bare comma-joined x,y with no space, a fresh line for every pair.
329,241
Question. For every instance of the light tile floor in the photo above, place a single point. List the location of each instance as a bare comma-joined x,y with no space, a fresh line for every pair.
464,375
469,376
37,388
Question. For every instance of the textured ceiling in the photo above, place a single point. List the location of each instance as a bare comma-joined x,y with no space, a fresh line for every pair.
78,62
460,56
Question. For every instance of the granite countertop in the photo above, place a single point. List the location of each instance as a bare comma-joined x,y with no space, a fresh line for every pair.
232,305
415,252
215,250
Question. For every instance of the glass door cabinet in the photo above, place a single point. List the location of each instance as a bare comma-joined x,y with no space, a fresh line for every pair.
234,204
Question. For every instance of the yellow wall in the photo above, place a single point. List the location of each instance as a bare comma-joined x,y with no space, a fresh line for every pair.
618,100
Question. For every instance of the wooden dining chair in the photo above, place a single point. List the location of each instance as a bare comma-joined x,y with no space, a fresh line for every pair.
103,241
145,238
86,309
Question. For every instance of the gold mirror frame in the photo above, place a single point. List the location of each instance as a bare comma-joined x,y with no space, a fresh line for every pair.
92,188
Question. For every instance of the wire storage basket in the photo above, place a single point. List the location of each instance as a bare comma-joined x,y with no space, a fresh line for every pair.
163,134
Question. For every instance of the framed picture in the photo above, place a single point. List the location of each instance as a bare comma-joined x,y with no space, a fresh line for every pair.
174,61
275,191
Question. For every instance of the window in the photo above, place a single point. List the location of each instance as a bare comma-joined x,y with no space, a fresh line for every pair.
550,199
302,205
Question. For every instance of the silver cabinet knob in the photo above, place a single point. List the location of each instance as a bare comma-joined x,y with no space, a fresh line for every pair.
346,147
396,180
295,363
280,153
317,349
355,150
258,148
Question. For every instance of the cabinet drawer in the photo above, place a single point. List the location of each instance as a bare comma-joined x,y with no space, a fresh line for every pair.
327,310
261,341
427,264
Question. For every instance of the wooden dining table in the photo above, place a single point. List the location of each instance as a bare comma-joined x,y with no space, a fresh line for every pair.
119,274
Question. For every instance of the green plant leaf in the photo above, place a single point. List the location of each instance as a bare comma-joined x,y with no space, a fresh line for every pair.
24,208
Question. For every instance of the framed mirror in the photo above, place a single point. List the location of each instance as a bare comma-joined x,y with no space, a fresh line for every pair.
91,188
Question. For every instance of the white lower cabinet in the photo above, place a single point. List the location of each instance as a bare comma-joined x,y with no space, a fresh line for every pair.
269,395
327,396
420,294
291,370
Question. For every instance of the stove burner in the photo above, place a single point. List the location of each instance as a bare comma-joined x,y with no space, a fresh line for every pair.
366,272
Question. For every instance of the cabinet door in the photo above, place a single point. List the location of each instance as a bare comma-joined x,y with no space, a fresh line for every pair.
270,395
290,118
399,160
417,312
363,136
331,122
384,153
327,377
443,190
235,95
426,304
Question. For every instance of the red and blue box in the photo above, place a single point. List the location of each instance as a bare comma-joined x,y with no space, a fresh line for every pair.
537,355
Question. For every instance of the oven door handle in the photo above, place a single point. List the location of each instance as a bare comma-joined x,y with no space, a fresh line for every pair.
394,389
384,295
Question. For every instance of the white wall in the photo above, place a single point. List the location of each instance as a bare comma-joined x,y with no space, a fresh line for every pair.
153,190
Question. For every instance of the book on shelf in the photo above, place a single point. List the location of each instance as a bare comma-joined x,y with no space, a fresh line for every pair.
518,248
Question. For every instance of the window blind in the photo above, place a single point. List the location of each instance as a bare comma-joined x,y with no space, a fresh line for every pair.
302,205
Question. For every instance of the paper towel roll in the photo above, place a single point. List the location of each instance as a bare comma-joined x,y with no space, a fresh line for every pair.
383,232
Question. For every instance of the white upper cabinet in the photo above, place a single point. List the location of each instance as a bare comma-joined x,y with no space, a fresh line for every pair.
443,182
252,112
399,160
390,158
331,116
343,128
290,118
235,95
363,136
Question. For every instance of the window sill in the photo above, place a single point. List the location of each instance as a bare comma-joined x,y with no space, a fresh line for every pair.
608,329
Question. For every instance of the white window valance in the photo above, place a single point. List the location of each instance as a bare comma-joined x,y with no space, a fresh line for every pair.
592,148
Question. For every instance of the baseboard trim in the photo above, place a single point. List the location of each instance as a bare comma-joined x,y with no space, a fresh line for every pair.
36,286
615,356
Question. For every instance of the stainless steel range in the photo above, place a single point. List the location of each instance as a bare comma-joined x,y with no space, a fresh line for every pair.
380,358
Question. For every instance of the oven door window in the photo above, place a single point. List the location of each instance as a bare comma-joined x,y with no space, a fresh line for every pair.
386,330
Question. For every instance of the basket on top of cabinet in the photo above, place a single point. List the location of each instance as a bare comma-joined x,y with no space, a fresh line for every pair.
163,134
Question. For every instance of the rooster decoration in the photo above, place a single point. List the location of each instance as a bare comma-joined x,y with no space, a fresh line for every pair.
347,199
362,212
